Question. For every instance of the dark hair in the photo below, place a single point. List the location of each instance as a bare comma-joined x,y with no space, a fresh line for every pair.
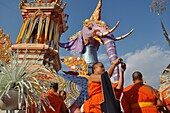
93,66
54,86
64,94
62,91
137,75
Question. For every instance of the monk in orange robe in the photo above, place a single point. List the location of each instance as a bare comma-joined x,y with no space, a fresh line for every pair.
92,105
57,104
139,97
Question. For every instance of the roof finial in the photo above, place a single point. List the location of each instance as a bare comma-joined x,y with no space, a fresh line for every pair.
97,12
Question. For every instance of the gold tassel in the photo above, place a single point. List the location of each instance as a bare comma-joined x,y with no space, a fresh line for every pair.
40,28
30,28
46,28
22,30
51,31
56,36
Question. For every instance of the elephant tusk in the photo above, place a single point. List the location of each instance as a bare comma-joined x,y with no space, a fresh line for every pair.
114,27
124,36
111,30
104,34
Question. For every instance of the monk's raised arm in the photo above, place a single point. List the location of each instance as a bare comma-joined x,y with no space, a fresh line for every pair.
112,67
121,76
98,70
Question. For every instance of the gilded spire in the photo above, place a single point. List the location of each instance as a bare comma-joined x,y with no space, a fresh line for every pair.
97,12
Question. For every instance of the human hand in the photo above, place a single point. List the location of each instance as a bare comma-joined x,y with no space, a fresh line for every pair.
117,61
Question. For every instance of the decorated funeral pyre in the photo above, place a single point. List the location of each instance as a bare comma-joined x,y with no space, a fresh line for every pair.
33,62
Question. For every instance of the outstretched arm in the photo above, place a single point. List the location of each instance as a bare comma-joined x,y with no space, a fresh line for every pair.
112,67
121,76
97,77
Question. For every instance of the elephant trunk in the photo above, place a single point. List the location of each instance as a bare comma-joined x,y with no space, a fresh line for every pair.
110,47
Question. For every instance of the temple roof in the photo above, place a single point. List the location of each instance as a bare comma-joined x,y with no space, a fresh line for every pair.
44,22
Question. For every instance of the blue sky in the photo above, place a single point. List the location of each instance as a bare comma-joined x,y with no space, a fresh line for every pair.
145,50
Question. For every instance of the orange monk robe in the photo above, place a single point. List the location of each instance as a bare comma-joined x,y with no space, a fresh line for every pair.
56,102
135,94
92,105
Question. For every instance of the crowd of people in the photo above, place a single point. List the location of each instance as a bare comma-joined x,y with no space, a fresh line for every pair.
136,98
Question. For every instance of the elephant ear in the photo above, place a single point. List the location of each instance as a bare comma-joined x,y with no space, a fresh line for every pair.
75,44
78,34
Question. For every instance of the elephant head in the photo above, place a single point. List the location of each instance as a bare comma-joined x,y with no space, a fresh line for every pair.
94,33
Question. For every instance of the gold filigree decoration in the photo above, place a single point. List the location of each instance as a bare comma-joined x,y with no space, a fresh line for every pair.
5,44
73,37
97,11
100,23
78,64
96,17
70,88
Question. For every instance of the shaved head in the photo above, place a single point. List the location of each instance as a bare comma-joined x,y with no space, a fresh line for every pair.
137,76
97,65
